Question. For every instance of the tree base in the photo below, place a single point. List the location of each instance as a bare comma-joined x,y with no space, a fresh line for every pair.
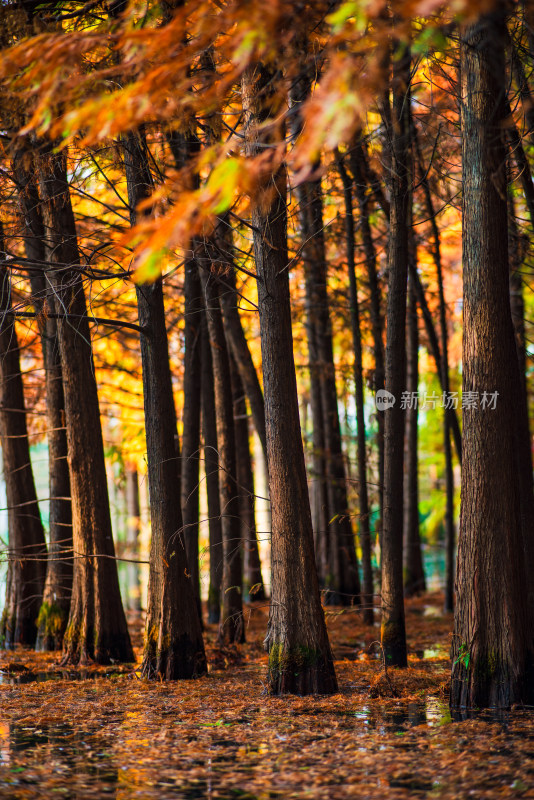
51,625
393,638
79,648
16,630
300,670
232,630
182,661
485,683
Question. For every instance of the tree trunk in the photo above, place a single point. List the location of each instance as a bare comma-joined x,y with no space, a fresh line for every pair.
342,579
393,628
414,576
174,648
300,659
191,421
211,469
132,538
231,624
358,167
27,548
454,425
96,629
253,588
367,597
492,648
54,612
240,351
450,537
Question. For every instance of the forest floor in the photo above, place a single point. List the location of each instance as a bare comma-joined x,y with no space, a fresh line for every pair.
105,733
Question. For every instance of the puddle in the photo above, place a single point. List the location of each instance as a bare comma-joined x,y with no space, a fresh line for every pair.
17,678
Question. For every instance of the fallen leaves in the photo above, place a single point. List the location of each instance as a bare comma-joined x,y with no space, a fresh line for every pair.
222,736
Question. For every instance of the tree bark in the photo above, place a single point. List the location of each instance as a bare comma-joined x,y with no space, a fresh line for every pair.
96,629
398,133
253,588
211,469
443,360
174,648
367,597
359,171
27,548
454,425
342,578
300,659
191,421
231,623
54,612
414,576
492,648
240,351
132,538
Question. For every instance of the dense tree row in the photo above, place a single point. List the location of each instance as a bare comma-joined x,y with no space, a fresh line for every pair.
171,165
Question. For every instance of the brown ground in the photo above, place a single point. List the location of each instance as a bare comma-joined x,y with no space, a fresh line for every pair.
94,735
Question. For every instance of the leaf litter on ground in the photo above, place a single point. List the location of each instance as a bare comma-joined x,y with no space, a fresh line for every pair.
103,732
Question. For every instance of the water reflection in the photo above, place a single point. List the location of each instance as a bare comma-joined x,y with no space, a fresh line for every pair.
78,760
28,676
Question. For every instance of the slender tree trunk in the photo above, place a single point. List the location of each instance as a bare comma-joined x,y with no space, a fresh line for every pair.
358,167
342,578
191,421
174,648
231,624
450,411
365,533
393,628
54,612
492,648
300,659
211,469
240,351
414,576
450,537
132,538
319,489
253,588
27,548
454,425
96,629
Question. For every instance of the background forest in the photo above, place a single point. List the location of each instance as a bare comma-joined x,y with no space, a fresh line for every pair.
265,314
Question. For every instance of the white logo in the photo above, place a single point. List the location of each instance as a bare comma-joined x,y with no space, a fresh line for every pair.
384,400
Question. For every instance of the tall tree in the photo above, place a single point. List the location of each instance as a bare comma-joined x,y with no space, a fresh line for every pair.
193,311
174,647
96,629
367,596
231,623
253,588
300,659
450,538
27,548
359,167
492,648
342,578
211,470
398,136
414,576
57,592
